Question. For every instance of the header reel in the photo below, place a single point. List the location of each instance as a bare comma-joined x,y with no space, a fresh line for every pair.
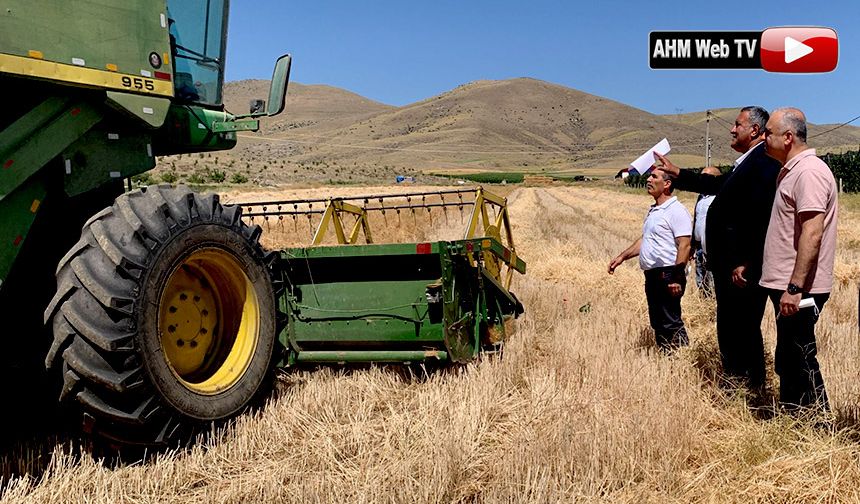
349,219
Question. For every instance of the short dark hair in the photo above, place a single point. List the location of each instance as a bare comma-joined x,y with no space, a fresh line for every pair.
758,115
667,178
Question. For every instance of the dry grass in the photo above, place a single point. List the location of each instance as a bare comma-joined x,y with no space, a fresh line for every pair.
579,407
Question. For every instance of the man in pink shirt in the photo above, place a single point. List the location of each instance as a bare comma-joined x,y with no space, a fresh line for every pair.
798,256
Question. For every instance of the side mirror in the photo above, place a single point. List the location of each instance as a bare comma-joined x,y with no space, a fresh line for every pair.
257,106
278,89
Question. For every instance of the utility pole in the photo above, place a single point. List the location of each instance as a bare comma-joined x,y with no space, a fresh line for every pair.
708,138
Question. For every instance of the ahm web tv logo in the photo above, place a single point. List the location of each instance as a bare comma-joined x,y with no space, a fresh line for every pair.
783,49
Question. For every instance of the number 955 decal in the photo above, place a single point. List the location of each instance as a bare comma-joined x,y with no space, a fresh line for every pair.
138,83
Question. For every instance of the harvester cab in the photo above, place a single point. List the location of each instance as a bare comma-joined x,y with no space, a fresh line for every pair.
198,43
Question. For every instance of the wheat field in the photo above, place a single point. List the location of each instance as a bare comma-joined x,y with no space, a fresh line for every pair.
578,408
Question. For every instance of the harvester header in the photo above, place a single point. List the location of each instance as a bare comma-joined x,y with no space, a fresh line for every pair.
443,300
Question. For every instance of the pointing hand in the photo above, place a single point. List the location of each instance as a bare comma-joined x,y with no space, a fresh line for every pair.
666,165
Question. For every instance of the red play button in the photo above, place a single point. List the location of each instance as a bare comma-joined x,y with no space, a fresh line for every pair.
799,50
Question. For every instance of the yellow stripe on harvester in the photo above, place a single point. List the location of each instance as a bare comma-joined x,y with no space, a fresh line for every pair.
30,67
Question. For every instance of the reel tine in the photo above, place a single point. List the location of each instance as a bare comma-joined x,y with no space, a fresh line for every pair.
412,209
460,206
382,209
265,218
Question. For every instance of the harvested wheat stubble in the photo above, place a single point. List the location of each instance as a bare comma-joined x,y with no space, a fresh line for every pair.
578,408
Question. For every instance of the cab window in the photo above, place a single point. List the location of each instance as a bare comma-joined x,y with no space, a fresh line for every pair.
198,30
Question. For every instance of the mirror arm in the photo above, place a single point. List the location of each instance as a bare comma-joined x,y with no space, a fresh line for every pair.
246,116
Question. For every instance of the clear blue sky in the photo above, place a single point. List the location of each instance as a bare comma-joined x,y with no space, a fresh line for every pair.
398,52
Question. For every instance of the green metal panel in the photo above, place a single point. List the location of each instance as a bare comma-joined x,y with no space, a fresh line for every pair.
190,128
362,312
111,37
44,132
19,131
354,303
150,110
18,209
361,298
105,153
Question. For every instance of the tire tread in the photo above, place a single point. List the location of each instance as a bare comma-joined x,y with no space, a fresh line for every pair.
93,311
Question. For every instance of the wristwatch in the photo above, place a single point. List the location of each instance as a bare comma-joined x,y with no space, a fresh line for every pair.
793,289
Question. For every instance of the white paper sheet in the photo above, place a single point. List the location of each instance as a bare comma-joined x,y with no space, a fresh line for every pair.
646,160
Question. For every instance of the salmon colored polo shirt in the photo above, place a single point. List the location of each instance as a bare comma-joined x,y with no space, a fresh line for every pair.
805,184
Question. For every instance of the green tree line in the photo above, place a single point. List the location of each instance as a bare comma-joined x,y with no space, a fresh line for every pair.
845,167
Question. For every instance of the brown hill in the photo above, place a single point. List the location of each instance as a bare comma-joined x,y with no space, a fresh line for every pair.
307,105
517,124
327,134
513,123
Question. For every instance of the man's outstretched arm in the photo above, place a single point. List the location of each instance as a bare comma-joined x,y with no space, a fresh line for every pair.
687,180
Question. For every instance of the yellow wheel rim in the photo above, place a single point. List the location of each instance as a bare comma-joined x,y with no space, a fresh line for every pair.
209,321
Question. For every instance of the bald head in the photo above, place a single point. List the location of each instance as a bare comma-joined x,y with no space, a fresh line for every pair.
711,170
792,119
785,134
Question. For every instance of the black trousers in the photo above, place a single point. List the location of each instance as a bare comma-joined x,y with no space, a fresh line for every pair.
800,380
664,309
739,314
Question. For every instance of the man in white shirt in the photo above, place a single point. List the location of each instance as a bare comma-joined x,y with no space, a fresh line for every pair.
704,276
663,250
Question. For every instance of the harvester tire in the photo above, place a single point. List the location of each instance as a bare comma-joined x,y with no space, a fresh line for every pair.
165,318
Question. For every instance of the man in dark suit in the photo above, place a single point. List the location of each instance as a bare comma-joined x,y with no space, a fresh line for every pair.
735,229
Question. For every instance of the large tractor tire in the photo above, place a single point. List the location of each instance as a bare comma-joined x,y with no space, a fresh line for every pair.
165,317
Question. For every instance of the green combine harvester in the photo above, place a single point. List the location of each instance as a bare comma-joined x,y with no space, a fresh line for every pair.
156,311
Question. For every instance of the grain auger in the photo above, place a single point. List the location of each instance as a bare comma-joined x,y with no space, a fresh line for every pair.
349,298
